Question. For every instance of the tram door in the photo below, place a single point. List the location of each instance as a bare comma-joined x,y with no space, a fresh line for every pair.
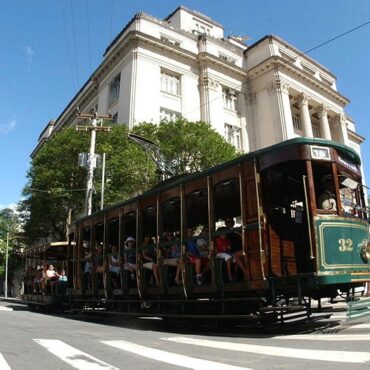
253,225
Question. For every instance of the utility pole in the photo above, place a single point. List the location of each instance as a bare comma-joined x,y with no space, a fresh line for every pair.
96,125
6,264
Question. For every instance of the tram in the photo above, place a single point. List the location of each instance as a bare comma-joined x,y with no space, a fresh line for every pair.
298,220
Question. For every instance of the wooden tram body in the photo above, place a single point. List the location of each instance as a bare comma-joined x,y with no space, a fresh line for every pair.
292,247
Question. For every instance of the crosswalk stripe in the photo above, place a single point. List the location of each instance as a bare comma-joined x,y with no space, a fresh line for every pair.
3,364
4,308
322,355
169,357
358,326
327,337
72,356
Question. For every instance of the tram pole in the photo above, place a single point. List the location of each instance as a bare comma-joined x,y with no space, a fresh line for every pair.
102,183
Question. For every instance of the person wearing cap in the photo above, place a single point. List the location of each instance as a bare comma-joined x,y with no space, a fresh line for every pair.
326,199
130,256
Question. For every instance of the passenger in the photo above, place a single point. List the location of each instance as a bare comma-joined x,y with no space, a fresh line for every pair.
196,255
87,266
150,257
114,266
223,247
173,254
99,263
326,199
130,256
51,274
62,277
236,246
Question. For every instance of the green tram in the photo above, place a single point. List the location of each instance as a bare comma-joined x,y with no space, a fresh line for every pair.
299,213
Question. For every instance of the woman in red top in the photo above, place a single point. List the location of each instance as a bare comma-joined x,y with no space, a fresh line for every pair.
223,246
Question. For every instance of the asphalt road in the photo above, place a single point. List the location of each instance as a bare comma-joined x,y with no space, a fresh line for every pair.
33,340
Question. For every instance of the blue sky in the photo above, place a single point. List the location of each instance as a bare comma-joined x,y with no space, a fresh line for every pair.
49,48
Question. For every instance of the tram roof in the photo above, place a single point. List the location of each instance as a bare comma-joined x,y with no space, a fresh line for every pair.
173,182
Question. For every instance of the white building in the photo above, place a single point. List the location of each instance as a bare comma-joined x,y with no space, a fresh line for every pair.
255,95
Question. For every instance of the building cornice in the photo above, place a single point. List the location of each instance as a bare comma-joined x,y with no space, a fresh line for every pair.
354,135
276,63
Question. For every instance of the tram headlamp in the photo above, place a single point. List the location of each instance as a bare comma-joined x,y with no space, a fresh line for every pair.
365,251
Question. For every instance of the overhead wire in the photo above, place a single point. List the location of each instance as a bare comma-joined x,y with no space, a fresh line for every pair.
67,46
74,41
290,60
88,34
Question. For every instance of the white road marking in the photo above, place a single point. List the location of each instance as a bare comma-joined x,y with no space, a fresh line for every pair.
334,356
358,326
4,308
3,364
170,358
72,356
327,337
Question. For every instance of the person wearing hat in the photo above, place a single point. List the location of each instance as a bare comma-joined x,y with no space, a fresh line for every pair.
326,200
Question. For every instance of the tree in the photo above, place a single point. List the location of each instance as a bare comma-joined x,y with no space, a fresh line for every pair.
56,184
10,226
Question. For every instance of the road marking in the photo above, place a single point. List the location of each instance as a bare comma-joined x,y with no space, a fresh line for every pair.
334,356
358,326
72,356
4,308
170,358
3,364
327,337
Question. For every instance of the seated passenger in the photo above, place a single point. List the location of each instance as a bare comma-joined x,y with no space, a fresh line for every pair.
130,256
114,266
172,253
51,274
326,200
236,246
62,277
99,263
223,247
150,257
197,255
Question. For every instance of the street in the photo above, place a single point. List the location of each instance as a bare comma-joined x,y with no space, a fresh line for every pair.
34,340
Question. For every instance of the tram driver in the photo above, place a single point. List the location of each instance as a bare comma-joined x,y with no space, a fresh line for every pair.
326,199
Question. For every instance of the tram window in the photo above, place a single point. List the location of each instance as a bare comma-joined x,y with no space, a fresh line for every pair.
197,208
129,225
99,233
324,187
149,218
350,195
171,214
113,226
226,197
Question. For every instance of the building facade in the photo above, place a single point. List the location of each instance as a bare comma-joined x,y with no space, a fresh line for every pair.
184,66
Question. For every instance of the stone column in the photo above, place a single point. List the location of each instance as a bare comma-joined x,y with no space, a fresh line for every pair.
305,116
341,129
286,111
324,123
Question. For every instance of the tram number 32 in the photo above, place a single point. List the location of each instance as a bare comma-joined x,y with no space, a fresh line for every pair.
345,245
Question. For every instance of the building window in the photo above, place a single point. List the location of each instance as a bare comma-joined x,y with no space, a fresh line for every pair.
297,124
170,83
115,118
230,99
315,130
169,115
233,135
201,29
170,40
114,89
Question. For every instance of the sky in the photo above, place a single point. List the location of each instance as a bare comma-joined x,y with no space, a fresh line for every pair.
49,48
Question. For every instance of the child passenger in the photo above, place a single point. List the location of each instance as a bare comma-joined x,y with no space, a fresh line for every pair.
223,246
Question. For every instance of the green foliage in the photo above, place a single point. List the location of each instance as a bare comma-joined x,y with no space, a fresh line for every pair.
56,184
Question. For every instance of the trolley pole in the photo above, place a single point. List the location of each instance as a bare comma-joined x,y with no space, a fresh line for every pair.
96,125
6,265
